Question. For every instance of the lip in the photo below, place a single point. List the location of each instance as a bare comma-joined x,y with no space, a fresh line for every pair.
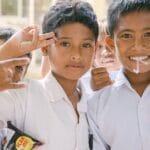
76,66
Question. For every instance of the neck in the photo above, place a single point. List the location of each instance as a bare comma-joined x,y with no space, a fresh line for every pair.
138,81
69,86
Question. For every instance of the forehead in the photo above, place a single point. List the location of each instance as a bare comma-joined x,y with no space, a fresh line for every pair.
74,30
134,21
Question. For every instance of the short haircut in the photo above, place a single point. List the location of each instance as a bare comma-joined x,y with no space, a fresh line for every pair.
6,33
66,11
122,8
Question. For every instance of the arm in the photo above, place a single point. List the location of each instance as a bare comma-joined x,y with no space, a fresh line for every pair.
45,66
25,41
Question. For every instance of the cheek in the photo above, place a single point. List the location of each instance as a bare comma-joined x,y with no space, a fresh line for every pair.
88,59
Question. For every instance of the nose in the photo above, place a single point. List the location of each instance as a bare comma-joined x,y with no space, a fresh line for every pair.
139,44
75,55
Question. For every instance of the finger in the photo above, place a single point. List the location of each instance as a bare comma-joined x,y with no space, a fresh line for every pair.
46,43
35,38
46,36
28,28
101,82
101,76
16,62
99,70
9,75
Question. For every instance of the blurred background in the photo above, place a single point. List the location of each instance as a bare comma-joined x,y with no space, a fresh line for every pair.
20,13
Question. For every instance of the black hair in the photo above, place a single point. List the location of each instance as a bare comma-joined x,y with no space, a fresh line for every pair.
6,33
69,12
120,8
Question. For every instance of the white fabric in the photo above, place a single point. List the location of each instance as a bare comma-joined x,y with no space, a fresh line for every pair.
86,79
119,118
44,111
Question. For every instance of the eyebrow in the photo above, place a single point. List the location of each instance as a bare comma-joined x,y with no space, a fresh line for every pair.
125,30
148,28
68,38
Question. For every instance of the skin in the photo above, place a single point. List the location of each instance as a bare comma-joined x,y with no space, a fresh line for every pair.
19,44
105,56
131,38
18,72
25,41
6,73
71,56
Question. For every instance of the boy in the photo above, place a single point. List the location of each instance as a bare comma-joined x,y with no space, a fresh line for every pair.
119,114
19,71
52,110
105,60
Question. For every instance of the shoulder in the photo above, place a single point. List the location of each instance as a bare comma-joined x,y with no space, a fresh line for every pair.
98,100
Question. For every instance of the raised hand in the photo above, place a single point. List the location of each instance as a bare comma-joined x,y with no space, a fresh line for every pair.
25,41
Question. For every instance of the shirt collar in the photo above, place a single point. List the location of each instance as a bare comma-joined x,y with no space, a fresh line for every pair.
121,80
53,88
55,92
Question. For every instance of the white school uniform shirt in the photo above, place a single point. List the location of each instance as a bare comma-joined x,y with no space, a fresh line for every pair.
119,118
44,111
85,80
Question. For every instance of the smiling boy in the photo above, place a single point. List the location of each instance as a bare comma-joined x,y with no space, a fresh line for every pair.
51,110
119,114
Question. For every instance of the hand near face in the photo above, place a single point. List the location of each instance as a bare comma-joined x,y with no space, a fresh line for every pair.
6,73
100,78
25,41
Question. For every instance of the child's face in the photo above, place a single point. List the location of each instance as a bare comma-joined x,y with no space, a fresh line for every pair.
105,56
132,41
71,55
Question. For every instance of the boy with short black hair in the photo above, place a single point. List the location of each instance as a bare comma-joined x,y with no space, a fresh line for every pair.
119,114
53,110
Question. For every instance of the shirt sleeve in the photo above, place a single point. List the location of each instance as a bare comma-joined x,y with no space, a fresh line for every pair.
7,107
98,141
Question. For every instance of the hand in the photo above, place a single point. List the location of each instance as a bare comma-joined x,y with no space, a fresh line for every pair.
6,73
100,78
24,42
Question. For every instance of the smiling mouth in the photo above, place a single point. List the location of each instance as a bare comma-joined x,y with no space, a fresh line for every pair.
137,58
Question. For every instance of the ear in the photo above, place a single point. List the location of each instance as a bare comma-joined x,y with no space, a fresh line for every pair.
44,50
109,42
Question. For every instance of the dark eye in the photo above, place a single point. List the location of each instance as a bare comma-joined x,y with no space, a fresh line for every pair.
65,44
147,35
100,46
18,69
86,45
126,36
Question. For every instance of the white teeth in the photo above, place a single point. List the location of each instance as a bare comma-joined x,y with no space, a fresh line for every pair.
138,58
